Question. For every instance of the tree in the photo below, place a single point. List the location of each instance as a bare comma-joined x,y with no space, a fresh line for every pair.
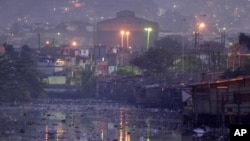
172,44
26,67
155,62
18,78
191,64
238,64
88,82
244,40
240,71
10,51
160,60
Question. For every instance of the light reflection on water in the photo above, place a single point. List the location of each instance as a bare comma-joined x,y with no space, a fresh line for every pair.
85,120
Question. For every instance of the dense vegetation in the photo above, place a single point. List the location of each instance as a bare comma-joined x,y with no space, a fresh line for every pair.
18,79
159,61
244,68
240,71
88,83
244,40
165,61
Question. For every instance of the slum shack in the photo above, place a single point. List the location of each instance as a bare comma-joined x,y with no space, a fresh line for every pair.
159,97
222,101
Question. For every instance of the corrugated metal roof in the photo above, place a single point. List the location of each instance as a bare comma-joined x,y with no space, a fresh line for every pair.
126,18
221,81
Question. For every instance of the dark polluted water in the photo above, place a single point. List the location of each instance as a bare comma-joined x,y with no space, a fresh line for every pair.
89,120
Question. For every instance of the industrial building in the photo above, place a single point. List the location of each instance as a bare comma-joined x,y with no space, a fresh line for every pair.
127,31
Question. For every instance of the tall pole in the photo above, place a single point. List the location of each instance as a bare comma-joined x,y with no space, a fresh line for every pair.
122,36
183,51
223,42
201,26
39,41
196,51
148,40
239,60
223,37
196,41
148,30
127,33
183,48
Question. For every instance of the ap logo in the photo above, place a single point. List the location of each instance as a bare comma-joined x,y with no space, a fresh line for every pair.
239,132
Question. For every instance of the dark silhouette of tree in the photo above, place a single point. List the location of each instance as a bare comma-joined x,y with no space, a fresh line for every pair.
240,71
26,66
88,83
172,45
18,79
159,61
155,60
244,40
10,51
243,70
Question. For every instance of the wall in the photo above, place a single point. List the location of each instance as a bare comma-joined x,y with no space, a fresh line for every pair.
57,80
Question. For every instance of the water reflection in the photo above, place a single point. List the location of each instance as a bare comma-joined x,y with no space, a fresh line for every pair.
85,120
46,133
124,131
121,125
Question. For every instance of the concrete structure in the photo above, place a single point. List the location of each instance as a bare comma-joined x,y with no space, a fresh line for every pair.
102,68
56,80
134,36
222,101
155,95
2,50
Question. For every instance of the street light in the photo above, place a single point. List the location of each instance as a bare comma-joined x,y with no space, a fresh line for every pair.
223,40
47,42
74,43
201,25
127,33
122,36
122,32
130,49
148,30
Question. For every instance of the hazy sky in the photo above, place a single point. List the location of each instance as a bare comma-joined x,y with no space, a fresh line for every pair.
170,14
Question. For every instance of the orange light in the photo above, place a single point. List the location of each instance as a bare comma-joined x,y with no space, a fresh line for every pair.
77,5
122,32
47,42
222,87
74,43
201,25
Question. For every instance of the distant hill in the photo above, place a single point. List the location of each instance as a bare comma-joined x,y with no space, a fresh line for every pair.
169,14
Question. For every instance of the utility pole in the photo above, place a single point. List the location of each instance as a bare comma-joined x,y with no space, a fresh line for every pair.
196,49
183,49
39,41
223,43
223,37
205,49
196,41
209,58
